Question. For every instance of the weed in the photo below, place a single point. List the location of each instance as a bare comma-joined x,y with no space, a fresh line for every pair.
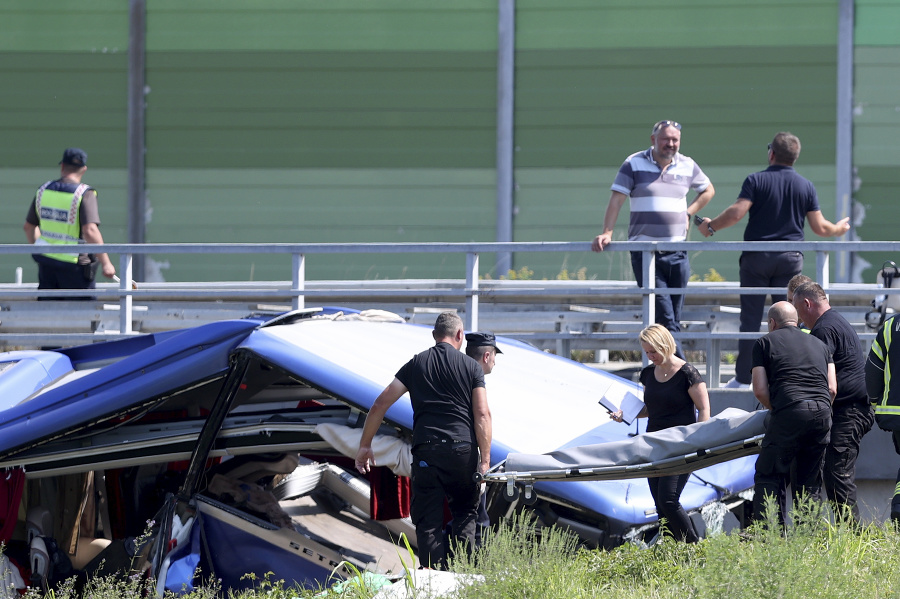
711,276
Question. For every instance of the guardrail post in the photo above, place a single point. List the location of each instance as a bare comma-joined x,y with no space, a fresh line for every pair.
713,360
126,300
822,266
649,299
471,320
298,281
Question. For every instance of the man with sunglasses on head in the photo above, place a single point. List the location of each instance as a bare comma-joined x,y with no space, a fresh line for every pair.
658,180
779,201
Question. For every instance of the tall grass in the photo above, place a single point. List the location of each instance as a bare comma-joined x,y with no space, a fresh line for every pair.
814,556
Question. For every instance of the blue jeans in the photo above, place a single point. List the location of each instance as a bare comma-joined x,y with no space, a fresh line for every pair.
672,270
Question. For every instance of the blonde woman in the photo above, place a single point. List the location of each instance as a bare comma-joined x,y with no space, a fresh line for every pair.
674,395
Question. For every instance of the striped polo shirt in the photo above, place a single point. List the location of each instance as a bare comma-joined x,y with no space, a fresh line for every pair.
658,199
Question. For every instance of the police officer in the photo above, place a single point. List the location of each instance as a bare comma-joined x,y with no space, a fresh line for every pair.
482,347
64,212
884,391
451,437
793,376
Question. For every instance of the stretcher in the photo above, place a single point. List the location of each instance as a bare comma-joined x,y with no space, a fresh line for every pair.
732,434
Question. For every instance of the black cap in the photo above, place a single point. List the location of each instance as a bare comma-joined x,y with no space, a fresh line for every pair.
75,157
480,339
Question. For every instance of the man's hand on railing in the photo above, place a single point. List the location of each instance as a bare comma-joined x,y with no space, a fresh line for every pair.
600,242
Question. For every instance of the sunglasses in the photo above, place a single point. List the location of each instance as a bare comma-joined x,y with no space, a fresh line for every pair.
663,124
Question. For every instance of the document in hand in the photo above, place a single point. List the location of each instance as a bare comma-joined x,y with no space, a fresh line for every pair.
629,403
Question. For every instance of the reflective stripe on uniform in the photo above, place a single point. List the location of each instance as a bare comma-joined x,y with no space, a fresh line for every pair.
888,336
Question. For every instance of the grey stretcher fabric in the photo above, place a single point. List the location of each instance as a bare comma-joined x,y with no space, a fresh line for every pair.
730,426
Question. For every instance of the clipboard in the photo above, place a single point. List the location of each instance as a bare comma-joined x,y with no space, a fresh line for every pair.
630,404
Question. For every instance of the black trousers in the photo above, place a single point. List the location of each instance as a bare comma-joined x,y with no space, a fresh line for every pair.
797,435
761,269
849,422
439,471
666,492
895,500
56,274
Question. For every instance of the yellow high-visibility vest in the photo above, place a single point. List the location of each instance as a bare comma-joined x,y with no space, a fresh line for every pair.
58,207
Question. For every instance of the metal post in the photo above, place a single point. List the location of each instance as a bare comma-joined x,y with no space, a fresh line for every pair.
298,283
126,301
844,131
506,44
137,198
713,363
240,363
648,266
471,291
822,263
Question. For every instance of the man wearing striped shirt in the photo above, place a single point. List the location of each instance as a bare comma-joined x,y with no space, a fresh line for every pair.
658,181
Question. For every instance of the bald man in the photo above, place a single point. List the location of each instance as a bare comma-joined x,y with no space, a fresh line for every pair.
793,376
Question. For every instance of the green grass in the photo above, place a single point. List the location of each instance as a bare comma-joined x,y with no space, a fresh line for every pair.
814,558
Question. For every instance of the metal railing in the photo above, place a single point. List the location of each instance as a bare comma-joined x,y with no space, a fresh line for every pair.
471,292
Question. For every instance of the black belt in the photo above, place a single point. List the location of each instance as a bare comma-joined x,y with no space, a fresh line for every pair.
667,253
440,441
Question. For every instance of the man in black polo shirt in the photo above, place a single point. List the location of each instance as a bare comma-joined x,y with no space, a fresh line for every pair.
451,437
851,415
779,201
794,377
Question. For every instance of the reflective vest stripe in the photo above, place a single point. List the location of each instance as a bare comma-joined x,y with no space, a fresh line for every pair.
887,410
888,336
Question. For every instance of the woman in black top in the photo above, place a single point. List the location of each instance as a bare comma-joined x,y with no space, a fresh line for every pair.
674,395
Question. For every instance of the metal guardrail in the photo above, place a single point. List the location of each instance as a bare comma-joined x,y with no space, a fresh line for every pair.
472,291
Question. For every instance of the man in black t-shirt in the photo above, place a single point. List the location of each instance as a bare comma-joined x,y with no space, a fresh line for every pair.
851,415
793,375
451,437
